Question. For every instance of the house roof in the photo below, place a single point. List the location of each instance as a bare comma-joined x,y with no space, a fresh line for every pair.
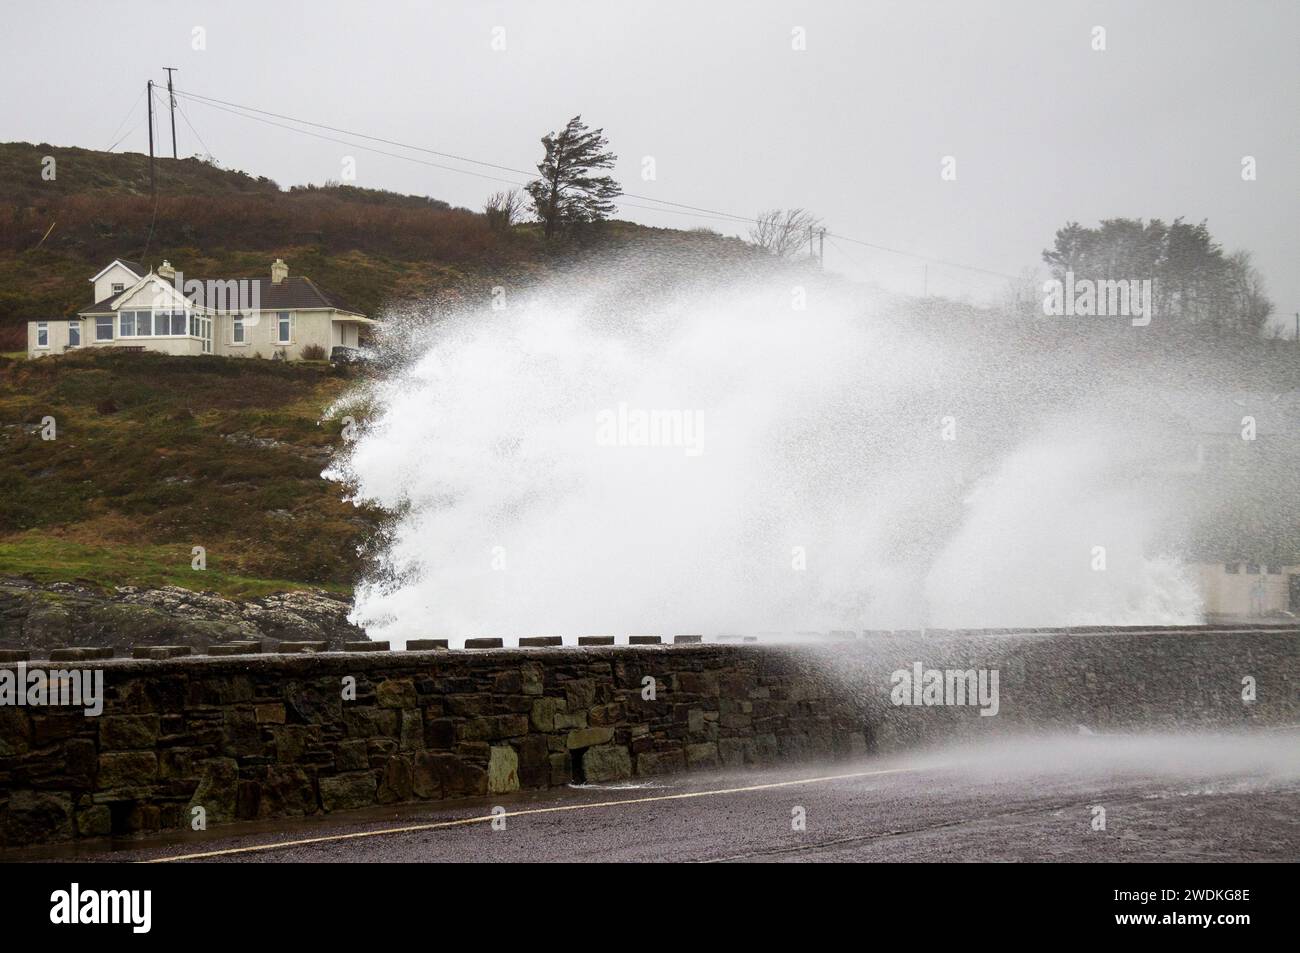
296,293
106,306
131,266
290,294
102,307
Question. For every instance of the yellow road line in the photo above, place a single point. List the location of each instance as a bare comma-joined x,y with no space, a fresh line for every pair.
279,845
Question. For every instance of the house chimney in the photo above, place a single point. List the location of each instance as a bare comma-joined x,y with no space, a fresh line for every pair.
279,271
166,271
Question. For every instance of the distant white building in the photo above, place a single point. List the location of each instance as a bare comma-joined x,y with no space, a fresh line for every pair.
139,309
1241,449
1249,590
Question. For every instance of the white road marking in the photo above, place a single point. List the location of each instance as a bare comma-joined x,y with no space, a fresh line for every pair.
488,818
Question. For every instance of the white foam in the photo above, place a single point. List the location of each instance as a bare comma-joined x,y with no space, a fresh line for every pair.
821,429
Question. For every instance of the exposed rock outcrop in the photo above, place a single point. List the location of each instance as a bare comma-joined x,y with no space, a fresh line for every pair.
55,615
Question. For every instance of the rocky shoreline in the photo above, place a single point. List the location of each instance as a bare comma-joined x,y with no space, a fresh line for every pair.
40,617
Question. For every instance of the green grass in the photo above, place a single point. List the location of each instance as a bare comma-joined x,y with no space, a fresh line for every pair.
47,559
155,455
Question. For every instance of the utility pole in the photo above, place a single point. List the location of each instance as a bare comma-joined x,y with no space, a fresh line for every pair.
818,252
171,99
149,98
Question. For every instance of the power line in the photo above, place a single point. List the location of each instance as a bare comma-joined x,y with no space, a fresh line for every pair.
130,132
209,100
125,120
245,112
673,211
920,257
354,145
355,135
186,117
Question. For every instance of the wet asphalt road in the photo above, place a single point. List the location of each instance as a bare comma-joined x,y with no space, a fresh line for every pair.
1189,799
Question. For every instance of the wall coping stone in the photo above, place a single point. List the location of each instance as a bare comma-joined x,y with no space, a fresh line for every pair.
343,663
80,653
160,651
422,645
228,655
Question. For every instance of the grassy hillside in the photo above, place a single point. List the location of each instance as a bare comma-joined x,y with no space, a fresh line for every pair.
371,247
154,455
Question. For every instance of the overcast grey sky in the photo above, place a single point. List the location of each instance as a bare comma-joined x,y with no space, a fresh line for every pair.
1043,127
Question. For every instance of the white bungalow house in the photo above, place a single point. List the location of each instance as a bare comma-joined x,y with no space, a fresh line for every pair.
272,317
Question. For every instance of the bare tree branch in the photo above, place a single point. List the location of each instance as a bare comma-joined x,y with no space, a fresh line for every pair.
503,209
783,232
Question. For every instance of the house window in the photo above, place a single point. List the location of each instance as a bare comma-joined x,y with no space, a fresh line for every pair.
126,321
178,323
74,334
1232,568
103,329
237,329
283,327
43,334
144,324
1252,569
118,287
1274,569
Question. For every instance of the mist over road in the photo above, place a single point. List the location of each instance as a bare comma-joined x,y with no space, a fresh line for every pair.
1161,798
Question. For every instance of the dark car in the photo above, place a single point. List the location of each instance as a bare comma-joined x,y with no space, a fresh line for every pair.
341,354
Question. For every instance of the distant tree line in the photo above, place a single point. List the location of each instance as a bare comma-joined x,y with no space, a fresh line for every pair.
1194,280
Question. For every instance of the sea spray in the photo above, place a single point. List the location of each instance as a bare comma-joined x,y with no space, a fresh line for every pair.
853,471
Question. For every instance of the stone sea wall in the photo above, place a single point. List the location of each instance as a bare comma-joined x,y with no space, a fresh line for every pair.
248,737
283,735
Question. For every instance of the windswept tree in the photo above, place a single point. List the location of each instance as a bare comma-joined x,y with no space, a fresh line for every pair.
503,209
568,191
783,232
